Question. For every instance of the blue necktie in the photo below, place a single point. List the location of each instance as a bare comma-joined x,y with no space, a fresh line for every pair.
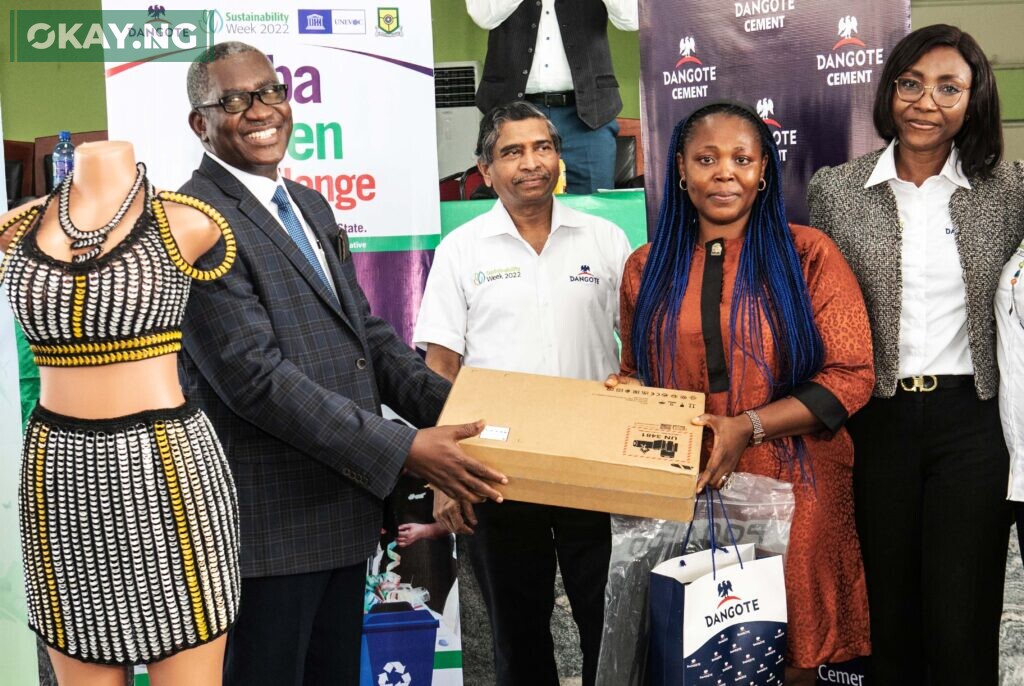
291,222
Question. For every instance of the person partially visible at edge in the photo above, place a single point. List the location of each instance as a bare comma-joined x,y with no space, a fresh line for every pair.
927,223
555,54
552,310
292,368
767,320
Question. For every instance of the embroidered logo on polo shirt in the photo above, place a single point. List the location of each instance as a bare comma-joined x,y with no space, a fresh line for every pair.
585,275
482,277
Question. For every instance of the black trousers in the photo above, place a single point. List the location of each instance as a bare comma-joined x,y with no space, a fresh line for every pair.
929,480
1018,513
514,550
298,630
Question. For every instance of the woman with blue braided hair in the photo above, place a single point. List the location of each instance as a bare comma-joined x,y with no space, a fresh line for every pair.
766,319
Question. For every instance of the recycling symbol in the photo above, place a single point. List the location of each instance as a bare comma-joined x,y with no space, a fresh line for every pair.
396,668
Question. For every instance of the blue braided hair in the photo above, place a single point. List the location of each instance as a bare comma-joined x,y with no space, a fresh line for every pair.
770,284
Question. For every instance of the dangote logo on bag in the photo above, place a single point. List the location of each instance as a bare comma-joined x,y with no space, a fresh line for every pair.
741,607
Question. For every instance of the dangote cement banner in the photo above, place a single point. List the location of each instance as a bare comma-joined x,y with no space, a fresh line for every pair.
361,89
810,67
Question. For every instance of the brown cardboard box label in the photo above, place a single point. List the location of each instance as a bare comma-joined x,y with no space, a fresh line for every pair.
664,443
645,395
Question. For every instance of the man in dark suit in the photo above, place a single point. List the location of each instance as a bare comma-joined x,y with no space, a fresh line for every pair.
285,358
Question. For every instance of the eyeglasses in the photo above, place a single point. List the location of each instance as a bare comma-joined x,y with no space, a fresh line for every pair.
944,94
233,103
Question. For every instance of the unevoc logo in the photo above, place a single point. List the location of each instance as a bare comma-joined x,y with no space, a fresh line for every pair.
109,36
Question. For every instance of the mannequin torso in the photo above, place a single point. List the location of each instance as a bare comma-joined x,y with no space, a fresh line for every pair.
104,173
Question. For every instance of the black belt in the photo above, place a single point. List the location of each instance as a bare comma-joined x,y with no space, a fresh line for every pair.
562,99
934,382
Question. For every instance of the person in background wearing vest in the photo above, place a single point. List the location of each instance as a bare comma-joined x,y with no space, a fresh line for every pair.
554,53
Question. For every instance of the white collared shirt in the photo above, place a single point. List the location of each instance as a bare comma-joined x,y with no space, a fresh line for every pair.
1009,302
491,298
933,314
550,69
263,189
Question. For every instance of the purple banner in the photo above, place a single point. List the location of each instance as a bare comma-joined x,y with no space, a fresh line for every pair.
393,283
810,67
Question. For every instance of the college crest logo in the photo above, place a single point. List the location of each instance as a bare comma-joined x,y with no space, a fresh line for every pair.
387,22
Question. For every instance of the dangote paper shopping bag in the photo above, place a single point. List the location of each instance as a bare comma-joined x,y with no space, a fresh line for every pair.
717,625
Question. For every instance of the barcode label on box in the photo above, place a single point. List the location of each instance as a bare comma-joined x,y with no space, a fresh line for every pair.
495,433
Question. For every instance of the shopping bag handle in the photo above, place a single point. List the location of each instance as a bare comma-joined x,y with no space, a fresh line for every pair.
709,504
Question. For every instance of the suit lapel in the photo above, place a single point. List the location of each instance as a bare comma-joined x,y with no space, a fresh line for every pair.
262,219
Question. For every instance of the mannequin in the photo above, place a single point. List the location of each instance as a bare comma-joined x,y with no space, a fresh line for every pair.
77,388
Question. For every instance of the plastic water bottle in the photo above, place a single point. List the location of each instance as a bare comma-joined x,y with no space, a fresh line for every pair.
63,157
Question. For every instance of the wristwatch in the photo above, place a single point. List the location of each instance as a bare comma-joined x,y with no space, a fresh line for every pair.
758,436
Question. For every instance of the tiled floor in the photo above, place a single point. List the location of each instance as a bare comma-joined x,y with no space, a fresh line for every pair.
479,668
1011,663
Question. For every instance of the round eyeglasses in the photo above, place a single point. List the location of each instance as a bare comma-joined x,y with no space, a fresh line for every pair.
233,103
943,94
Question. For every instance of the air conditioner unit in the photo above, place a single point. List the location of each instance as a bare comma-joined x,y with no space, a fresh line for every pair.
458,119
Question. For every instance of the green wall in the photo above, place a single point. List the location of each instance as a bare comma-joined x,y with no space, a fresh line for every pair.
27,90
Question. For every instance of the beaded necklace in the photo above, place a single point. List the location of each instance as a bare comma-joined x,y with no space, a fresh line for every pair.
94,238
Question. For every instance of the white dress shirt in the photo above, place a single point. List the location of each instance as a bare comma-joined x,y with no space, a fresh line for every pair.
550,69
491,298
264,188
933,315
1010,354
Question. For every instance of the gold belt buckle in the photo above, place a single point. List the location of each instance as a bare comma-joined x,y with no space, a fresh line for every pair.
920,384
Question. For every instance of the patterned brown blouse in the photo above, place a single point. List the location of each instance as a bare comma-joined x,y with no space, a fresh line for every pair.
825,588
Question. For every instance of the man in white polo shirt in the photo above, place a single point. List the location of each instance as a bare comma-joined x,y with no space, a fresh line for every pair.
530,286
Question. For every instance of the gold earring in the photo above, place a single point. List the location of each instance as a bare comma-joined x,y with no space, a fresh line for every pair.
762,184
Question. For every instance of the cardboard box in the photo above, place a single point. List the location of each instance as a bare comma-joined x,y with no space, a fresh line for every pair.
628,450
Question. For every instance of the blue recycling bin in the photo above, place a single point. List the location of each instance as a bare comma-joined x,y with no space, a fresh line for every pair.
398,646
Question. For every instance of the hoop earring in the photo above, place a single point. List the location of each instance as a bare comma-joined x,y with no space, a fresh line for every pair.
761,185
682,185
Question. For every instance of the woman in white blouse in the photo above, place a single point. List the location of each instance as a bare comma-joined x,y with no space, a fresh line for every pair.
927,224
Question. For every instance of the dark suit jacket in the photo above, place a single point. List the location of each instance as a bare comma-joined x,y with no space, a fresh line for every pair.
865,224
293,384
584,28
